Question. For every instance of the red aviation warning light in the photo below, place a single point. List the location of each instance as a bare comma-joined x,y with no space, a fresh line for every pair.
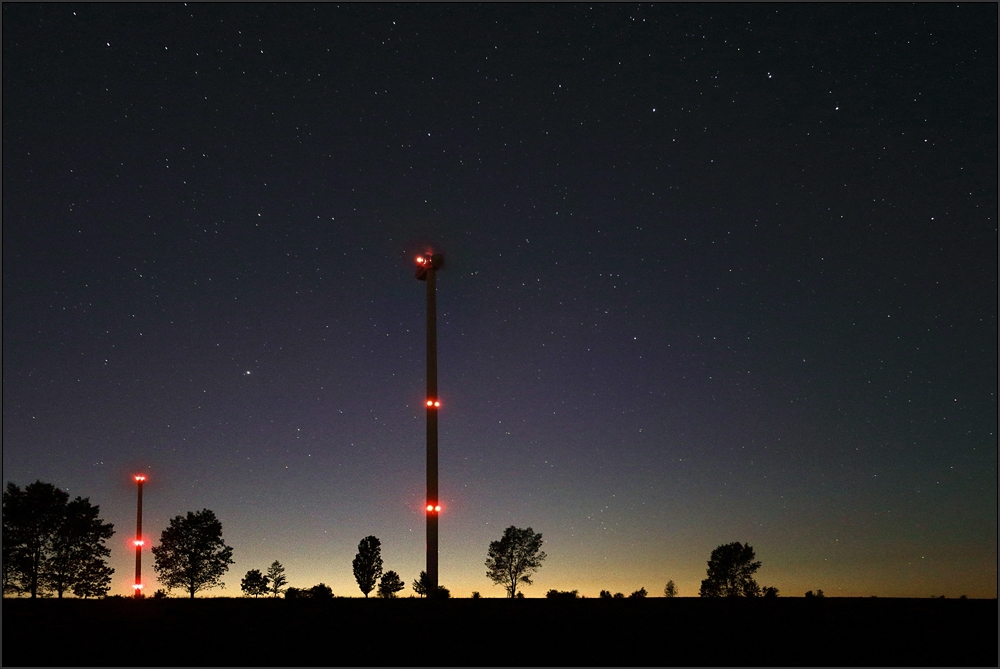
433,508
433,403
427,262
138,543
140,478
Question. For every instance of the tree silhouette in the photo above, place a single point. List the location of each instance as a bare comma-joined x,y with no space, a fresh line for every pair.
730,572
770,592
638,594
390,585
562,594
296,593
276,577
605,594
670,590
321,591
192,554
422,584
368,564
255,583
79,551
513,558
53,544
94,580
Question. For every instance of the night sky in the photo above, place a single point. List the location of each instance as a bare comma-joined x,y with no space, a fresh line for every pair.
715,273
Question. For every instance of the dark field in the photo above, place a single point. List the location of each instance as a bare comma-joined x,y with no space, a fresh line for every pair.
242,632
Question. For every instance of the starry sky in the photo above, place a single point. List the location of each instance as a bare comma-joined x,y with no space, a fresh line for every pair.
715,273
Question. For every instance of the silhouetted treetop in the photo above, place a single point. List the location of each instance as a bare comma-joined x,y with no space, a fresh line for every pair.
730,572
192,554
255,584
390,585
277,579
513,558
53,544
368,564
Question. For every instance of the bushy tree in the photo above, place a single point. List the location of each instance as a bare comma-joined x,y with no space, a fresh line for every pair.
94,581
770,592
255,584
513,558
78,551
390,585
53,544
321,591
730,572
605,594
368,564
422,584
192,554
562,594
296,593
638,594
276,578
476,595
670,590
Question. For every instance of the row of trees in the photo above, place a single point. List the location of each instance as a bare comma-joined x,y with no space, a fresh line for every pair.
731,569
367,572
54,544
514,558
272,583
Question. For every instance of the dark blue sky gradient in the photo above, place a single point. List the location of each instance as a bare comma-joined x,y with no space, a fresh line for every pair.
715,273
